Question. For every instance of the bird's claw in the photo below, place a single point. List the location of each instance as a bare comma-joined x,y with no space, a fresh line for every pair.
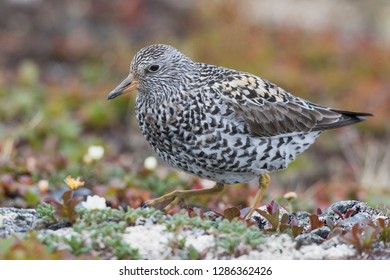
171,200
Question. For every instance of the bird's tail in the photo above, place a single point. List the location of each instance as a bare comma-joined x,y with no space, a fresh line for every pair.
348,118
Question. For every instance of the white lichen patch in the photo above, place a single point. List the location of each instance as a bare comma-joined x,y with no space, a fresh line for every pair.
315,252
275,247
201,243
150,240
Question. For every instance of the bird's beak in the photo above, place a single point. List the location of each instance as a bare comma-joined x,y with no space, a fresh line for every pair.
125,86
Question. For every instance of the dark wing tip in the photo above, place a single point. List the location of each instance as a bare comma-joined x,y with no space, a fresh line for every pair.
349,117
360,116
353,114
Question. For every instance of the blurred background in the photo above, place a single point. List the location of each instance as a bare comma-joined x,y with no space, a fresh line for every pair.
59,59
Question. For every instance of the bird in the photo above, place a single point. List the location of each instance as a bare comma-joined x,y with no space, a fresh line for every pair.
220,124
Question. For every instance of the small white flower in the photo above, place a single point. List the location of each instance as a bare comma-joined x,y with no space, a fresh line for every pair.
94,153
43,185
94,202
150,163
290,196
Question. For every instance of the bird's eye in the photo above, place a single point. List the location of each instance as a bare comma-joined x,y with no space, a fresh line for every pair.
153,68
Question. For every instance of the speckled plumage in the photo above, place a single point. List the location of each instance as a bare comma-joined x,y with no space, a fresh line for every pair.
221,124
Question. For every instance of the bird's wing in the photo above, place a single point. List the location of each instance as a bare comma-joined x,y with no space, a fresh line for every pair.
269,110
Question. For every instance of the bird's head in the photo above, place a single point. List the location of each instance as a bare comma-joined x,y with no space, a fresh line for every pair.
154,69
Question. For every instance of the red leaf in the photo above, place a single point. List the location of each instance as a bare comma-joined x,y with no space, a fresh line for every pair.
339,214
273,219
349,213
66,196
272,207
53,202
296,230
284,219
315,222
231,213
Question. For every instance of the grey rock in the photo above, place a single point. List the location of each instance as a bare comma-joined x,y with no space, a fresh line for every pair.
360,218
301,217
14,220
356,206
343,206
362,214
59,225
305,239
322,232
261,222
211,215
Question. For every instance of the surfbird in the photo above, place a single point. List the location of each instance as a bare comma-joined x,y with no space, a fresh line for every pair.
220,124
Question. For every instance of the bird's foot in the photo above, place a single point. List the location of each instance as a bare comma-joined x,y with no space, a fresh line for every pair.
264,180
172,199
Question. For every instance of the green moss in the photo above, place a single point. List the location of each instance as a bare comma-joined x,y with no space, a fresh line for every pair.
46,212
97,233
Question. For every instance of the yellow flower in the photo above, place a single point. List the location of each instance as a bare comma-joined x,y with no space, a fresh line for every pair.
73,183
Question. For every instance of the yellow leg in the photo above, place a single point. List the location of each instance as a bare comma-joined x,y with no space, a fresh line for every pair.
175,197
264,180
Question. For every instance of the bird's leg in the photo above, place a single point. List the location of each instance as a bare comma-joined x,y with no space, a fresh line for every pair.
264,180
175,197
